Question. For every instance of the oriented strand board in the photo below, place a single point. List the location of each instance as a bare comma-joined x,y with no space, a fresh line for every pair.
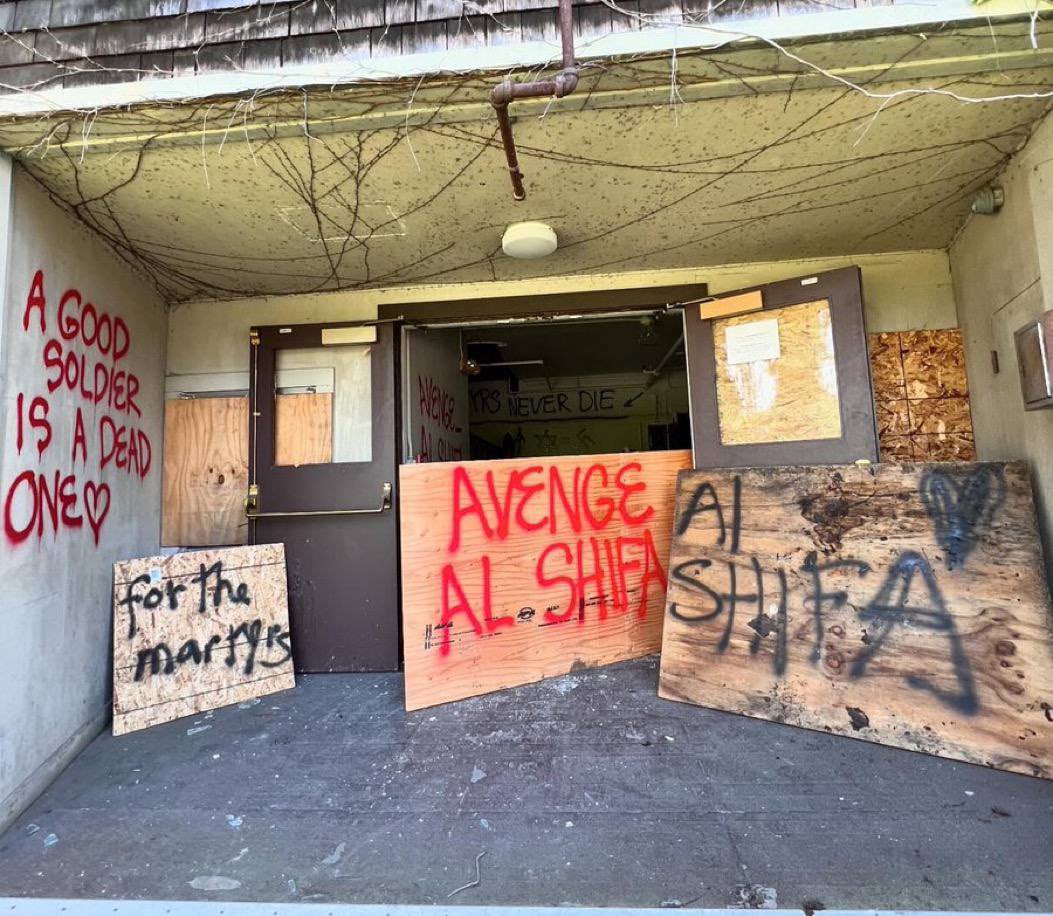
900,604
195,631
790,399
205,472
517,570
303,428
922,395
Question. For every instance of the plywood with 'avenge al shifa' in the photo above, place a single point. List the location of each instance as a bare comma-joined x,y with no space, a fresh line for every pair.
517,570
901,604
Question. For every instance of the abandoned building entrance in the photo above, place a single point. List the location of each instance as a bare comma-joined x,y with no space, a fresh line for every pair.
322,433
557,434
541,460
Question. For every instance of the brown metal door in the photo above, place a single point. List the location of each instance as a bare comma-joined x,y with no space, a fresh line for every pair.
786,384
321,471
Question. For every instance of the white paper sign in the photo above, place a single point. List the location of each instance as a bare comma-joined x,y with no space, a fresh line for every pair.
752,342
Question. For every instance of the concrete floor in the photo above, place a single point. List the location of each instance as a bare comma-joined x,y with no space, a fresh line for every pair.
586,789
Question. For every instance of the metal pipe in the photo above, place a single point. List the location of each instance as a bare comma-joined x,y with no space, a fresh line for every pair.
566,32
511,156
507,91
657,370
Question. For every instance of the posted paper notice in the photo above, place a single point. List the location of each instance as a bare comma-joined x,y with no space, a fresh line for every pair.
752,342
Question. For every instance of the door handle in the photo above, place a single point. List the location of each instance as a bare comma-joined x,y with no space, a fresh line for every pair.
252,502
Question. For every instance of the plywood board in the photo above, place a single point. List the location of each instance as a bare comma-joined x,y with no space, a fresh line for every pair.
792,398
517,570
195,631
303,428
205,472
900,604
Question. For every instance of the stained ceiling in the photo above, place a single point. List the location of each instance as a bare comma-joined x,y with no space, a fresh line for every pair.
712,158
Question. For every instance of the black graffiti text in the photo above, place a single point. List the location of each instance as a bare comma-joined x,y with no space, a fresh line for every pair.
908,596
245,645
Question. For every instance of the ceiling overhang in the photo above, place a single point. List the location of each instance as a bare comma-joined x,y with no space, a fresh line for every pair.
763,151
658,37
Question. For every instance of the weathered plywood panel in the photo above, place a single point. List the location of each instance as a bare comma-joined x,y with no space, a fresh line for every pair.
303,428
196,631
901,604
517,570
206,472
789,399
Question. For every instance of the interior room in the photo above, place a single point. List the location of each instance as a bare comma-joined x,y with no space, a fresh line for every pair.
545,387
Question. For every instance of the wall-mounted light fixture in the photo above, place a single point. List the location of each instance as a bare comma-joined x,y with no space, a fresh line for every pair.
989,199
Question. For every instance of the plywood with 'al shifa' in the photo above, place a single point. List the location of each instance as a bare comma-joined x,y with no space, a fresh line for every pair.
517,570
901,604
195,631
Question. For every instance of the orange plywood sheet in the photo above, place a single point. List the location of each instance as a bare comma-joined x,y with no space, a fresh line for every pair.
517,570
791,398
303,425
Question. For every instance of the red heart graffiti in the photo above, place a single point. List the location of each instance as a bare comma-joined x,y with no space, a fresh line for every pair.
96,506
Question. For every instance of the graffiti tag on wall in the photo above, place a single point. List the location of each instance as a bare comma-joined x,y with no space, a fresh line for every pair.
441,436
83,378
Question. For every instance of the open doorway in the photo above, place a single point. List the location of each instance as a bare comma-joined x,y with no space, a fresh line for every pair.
581,385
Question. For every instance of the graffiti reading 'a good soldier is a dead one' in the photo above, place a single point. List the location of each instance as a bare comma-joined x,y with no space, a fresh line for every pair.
589,564
84,385
906,595
247,643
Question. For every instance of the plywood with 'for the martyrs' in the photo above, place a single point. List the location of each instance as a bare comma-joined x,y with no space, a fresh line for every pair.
901,604
517,570
196,631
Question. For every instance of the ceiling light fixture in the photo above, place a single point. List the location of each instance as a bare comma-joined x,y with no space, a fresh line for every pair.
529,240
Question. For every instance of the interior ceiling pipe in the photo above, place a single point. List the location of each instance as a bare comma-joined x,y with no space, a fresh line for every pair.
564,83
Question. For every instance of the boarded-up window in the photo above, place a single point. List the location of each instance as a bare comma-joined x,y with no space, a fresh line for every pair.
777,376
205,472
323,406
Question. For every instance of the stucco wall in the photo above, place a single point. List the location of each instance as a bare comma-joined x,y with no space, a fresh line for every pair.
1002,267
903,291
56,565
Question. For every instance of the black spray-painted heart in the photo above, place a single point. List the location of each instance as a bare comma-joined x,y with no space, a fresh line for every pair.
961,507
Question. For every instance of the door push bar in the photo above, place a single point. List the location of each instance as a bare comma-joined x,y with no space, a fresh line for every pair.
252,502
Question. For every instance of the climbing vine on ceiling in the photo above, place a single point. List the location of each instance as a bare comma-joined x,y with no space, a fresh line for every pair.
705,157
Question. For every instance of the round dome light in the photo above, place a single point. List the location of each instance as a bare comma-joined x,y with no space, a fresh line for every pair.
528,240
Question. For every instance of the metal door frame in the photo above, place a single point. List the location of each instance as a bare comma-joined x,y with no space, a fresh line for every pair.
262,341
859,435
376,481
